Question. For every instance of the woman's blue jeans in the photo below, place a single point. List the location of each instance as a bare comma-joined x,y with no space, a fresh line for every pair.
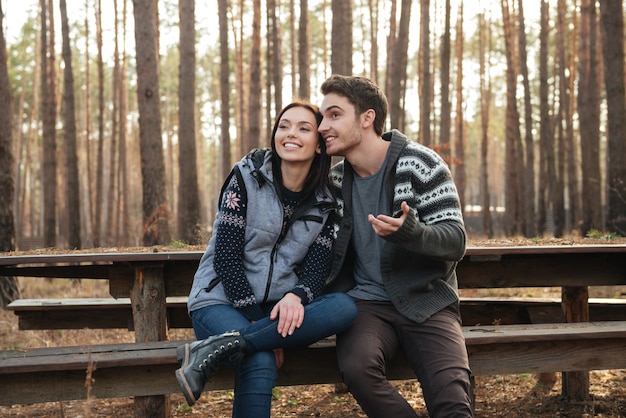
255,376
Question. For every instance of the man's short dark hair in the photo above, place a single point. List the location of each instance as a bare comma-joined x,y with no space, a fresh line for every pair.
363,93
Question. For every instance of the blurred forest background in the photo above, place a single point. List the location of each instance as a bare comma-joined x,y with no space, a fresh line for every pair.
119,119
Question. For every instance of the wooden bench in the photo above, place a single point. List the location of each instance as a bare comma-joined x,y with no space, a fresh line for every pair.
147,369
109,313
150,281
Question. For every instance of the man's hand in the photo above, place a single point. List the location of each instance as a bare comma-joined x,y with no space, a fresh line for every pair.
385,225
290,313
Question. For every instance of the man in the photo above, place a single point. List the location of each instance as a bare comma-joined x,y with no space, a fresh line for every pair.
400,236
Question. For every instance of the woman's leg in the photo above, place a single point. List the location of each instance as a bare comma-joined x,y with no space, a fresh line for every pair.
324,316
255,375
254,379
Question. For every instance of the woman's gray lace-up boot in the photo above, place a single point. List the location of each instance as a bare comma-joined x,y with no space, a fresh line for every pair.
200,360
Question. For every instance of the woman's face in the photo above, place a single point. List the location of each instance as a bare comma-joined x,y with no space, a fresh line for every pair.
296,138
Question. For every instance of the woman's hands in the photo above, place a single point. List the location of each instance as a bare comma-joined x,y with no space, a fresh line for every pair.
290,313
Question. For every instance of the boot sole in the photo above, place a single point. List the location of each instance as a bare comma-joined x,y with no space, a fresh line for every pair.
184,386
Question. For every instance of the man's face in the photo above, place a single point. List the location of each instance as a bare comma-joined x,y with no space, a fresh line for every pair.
340,126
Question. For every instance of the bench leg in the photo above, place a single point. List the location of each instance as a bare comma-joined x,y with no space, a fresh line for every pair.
575,307
149,316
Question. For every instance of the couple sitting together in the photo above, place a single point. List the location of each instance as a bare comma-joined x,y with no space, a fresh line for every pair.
367,253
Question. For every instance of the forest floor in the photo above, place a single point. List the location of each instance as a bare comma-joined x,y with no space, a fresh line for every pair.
510,396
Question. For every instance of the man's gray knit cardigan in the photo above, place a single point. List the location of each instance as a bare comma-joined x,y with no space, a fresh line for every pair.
418,261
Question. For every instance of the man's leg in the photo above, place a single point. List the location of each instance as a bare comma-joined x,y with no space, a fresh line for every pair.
437,352
362,353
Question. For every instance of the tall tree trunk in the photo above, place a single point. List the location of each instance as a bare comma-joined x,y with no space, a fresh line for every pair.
69,124
545,120
373,8
485,104
513,151
612,17
304,52
293,46
87,171
529,172
277,56
573,183
9,290
398,68
241,114
341,42
224,144
589,116
444,71
460,174
155,216
99,192
124,190
254,103
189,199
391,45
48,112
424,73
112,212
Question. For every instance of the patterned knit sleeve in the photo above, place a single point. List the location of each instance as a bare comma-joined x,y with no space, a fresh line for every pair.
434,227
316,264
229,247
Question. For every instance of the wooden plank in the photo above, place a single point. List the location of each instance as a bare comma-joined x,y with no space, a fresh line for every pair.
541,269
106,313
148,369
485,335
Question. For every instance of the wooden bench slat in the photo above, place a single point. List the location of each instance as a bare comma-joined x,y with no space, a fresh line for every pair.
554,333
106,313
145,369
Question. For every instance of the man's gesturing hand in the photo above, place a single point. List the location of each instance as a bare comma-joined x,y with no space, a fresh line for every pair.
385,225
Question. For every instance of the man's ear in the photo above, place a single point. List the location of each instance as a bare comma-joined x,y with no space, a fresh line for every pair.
367,118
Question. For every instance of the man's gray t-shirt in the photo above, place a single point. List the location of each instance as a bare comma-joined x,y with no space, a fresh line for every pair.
368,196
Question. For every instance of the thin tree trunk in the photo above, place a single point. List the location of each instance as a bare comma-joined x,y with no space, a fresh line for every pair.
529,172
424,73
48,90
254,104
444,71
485,100
398,68
460,174
341,42
9,290
69,126
373,8
155,216
224,144
97,228
513,153
189,199
304,52
112,212
544,124
612,17
589,117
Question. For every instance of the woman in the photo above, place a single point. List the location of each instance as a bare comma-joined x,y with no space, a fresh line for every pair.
257,288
